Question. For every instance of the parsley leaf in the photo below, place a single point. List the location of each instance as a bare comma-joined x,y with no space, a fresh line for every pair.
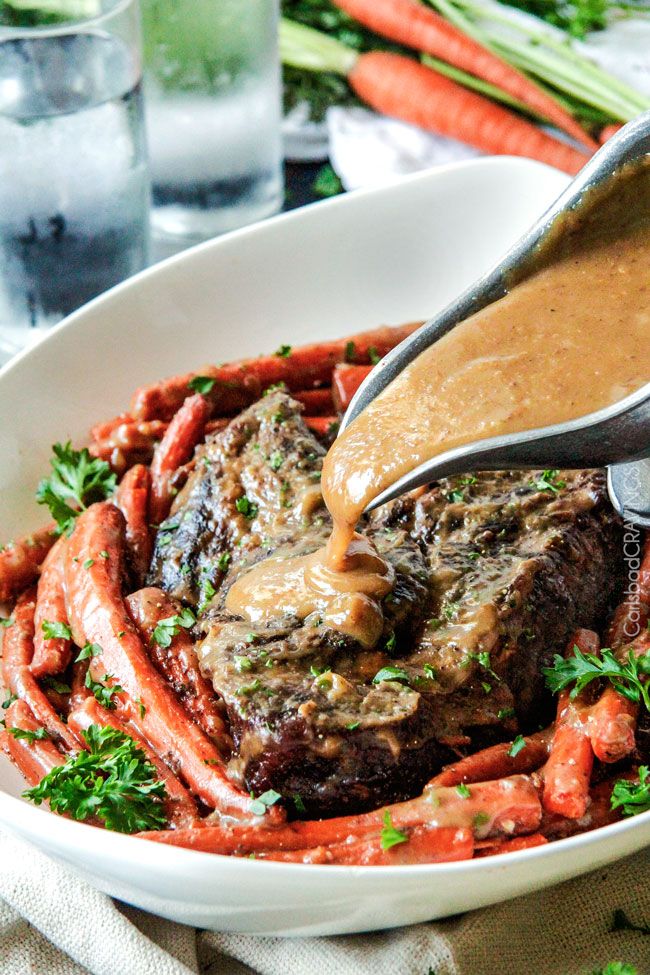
373,355
518,745
389,835
88,651
264,802
463,791
112,781
207,592
632,797
223,562
77,480
201,384
327,182
58,686
391,673
583,668
616,968
104,693
350,351
548,481
283,352
246,507
167,629
55,630
8,701
31,736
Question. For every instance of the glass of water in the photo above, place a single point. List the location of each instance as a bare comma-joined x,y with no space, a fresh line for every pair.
74,182
212,83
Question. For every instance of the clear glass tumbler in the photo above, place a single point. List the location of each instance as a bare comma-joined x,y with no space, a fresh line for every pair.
212,83
74,181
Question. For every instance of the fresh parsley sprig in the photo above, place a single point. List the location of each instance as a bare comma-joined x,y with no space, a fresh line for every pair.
77,480
632,797
27,735
112,781
580,669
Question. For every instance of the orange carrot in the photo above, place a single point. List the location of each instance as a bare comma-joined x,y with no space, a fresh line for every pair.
410,23
240,383
323,426
608,131
423,844
317,402
51,654
405,89
128,443
345,382
568,771
185,431
20,561
496,761
133,501
34,758
492,848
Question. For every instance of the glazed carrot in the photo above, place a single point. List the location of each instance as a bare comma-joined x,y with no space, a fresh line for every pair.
410,23
184,432
631,616
345,382
34,758
567,772
51,655
133,501
323,426
405,89
492,849
496,761
599,813
241,383
612,722
608,131
216,426
178,663
20,561
423,845
317,402
103,429
504,808
180,807
98,615
18,650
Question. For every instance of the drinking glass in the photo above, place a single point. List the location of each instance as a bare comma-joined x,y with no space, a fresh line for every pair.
212,85
74,183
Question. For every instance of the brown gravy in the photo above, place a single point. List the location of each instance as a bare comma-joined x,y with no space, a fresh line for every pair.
571,339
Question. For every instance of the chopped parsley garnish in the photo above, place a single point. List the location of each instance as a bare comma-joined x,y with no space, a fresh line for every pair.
352,725
299,804
58,686
8,701
77,480
548,481
264,802
483,658
505,713
518,744
389,835
275,460
201,384
55,630
581,669
430,672
31,736
89,563
391,673
103,692
390,642
6,622
112,781
632,797
246,507
463,791
168,628
373,355
247,689
350,352
207,592
88,651
283,352
327,183
242,664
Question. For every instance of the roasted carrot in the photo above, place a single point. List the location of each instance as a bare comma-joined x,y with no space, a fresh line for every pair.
491,848
180,807
98,615
599,813
178,663
410,23
241,383
608,131
133,495
17,653
505,808
51,654
613,718
323,426
567,772
317,402
184,432
20,561
35,759
496,761
105,427
345,382
423,844
129,443
397,86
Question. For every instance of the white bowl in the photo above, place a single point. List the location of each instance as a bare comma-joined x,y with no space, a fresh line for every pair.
388,255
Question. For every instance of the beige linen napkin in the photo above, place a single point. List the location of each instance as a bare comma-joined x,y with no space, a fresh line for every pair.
51,923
